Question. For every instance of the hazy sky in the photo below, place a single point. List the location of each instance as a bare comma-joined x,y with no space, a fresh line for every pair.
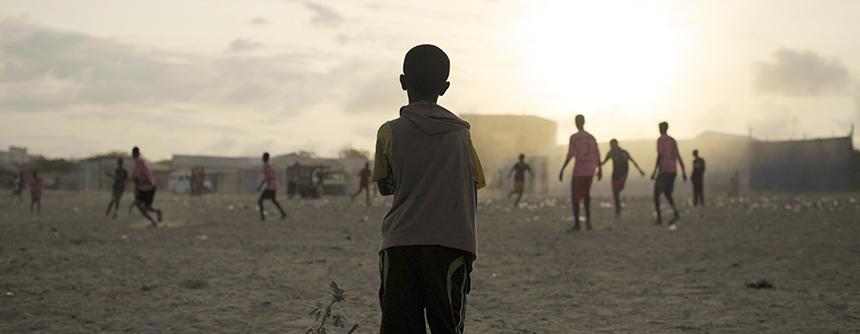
239,77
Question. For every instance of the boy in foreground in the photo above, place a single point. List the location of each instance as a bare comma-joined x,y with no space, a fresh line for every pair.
583,148
665,172
270,180
620,167
425,158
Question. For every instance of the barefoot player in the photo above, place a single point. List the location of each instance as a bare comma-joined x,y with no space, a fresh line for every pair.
582,148
119,176
270,181
145,183
620,167
519,172
665,172
698,178
364,183
35,195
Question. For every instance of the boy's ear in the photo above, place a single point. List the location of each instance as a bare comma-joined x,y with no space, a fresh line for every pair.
444,88
403,84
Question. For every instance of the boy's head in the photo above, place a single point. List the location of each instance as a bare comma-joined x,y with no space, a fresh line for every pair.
265,156
613,143
663,127
135,152
425,72
580,121
522,157
696,153
367,165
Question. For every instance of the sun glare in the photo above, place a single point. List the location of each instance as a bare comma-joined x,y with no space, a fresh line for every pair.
598,55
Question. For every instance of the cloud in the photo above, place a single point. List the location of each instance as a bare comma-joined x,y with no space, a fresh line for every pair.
259,21
323,16
243,45
800,73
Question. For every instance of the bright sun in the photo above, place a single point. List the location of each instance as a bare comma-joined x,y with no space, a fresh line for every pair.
599,54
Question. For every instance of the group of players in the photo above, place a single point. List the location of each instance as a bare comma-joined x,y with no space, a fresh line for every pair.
584,151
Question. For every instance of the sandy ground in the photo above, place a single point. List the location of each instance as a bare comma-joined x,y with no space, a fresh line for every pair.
213,268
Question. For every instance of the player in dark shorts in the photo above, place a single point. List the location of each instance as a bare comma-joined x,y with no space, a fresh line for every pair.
583,148
698,178
270,181
146,186
364,182
519,172
119,176
35,195
665,172
620,167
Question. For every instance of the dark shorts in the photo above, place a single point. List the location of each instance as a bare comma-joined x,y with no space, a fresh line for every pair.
116,194
665,183
519,186
36,196
418,278
268,194
618,183
580,187
146,196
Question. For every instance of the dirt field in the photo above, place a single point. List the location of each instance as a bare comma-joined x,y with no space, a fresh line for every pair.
213,268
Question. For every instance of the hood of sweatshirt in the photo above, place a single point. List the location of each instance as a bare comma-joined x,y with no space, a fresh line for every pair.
432,119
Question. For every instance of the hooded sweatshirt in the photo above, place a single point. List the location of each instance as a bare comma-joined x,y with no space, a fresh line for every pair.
428,156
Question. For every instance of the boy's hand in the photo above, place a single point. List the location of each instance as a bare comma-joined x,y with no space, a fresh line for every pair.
641,172
653,176
561,176
599,175
684,176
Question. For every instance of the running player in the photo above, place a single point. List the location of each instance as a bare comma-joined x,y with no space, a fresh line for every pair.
364,182
583,148
145,184
119,176
519,172
270,181
698,178
35,195
665,172
620,167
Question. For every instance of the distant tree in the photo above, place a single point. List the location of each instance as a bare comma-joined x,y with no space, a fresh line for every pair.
306,154
353,153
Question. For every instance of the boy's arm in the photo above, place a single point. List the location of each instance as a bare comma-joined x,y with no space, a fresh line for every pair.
608,155
656,167
381,165
599,166
681,162
570,154
636,164
529,168
512,171
480,180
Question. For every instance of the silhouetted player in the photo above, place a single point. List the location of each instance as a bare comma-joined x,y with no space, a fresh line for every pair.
35,195
583,148
519,171
620,167
18,187
666,170
425,158
145,184
698,178
119,176
364,182
270,181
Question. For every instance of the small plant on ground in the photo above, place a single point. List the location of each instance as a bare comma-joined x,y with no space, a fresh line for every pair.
323,313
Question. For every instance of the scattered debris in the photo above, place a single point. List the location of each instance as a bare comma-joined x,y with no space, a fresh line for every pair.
759,284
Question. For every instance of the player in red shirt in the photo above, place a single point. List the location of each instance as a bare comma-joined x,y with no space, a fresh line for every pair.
667,157
270,180
583,148
364,182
